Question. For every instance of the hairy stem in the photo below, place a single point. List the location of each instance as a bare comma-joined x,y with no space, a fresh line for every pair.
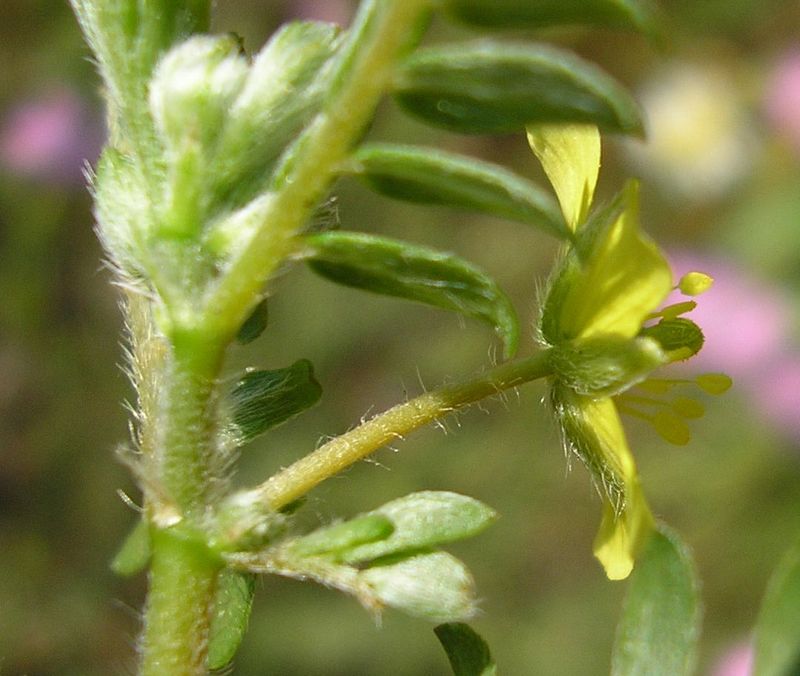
347,449
182,584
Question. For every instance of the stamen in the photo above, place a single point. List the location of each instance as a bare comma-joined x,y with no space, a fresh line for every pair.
695,283
687,408
671,428
714,383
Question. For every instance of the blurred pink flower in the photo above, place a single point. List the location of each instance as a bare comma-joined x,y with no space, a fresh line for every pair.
738,661
334,11
50,138
747,326
782,98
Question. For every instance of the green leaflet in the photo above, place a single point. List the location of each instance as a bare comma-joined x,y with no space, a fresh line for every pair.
777,641
467,651
432,176
423,520
232,604
341,537
660,622
517,14
434,586
134,555
404,270
500,87
254,325
262,400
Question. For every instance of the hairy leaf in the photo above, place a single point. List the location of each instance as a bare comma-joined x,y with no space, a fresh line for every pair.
660,622
232,604
423,520
467,651
262,400
404,270
517,14
777,641
432,176
493,87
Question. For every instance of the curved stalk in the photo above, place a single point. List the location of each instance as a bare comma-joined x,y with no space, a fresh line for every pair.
347,449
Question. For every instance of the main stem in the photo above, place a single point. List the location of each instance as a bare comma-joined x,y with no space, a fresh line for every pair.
183,575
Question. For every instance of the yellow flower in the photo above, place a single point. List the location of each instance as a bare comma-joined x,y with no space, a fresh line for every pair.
609,283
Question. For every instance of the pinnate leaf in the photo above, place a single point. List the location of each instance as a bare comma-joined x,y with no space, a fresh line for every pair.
262,400
660,622
430,176
467,651
497,87
777,640
404,270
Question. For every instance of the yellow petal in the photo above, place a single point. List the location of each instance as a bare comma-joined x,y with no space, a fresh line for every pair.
622,533
594,431
623,279
570,155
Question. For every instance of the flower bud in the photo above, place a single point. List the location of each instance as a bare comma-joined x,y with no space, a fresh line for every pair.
193,87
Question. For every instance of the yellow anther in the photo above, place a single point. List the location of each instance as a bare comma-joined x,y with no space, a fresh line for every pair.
671,428
687,408
695,283
714,383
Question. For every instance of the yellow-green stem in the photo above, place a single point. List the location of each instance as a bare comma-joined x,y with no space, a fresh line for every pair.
347,449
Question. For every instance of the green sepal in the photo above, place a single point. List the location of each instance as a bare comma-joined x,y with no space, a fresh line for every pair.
343,536
233,602
660,624
467,652
431,176
434,586
777,641
134,555
254,325
404,270
496,87
606,365
423,520
122,209
262,400
628,14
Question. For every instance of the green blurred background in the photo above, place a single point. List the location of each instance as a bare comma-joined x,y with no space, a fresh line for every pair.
721,193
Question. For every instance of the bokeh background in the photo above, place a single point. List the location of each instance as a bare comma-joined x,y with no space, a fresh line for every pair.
721,175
